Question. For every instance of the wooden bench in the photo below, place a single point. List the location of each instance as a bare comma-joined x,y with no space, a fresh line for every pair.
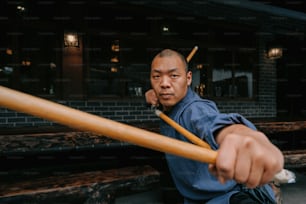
295,158
277,127
81,188
290,137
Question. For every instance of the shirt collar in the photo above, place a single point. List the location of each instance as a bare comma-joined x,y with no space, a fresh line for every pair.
188,97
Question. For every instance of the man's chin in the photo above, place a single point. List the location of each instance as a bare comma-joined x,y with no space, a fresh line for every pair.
167,104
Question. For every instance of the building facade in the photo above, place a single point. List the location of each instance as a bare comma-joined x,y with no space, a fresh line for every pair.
95,56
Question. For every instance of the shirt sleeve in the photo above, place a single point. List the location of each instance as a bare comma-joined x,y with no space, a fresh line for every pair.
206,120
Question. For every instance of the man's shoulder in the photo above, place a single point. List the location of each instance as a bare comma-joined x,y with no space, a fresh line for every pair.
201,103
197,107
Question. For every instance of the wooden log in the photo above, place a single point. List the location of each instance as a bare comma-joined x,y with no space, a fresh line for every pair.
86,187
295,158
277,127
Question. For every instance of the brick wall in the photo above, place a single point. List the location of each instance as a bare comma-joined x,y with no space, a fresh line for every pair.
128,111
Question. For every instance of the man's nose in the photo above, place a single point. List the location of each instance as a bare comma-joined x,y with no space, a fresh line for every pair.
165,82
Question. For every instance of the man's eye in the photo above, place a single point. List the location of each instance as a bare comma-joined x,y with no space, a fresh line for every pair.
155,76
174,76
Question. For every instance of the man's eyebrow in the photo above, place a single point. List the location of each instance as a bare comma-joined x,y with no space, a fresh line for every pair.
173,69
168,71
155,70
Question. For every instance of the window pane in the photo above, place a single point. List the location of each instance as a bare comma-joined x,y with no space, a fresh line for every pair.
29,62
233,73
222,74
116,72
244,72
222,78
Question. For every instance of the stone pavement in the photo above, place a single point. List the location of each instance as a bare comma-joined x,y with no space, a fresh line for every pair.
295,193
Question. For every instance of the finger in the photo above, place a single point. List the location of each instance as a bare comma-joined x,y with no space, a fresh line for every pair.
255,176
243,167
267,176
259,174
225,162
213,169
155,102
271,168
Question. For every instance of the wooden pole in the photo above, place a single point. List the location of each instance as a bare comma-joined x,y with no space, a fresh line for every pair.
194,139
83,121
193,51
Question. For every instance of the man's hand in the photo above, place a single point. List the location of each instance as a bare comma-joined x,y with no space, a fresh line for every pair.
247,156
151,98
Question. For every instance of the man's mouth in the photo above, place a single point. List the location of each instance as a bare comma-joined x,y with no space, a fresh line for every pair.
165,96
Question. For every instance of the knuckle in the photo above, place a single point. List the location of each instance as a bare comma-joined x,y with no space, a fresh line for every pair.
248,142
223,168
259,157
224,172
240,179
252,182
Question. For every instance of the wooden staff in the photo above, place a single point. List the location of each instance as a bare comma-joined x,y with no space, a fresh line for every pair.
194,139
193,51
77,119
83,121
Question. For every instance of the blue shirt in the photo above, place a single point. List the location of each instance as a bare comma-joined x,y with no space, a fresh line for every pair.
192,178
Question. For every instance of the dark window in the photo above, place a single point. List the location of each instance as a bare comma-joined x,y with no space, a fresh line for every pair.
29,62
228,73
233,73
116,67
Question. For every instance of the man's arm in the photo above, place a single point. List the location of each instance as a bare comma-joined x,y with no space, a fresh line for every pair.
246,156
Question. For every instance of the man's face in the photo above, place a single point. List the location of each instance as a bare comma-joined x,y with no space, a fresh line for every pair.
169,80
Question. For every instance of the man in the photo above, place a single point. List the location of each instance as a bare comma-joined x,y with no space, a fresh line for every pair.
246,159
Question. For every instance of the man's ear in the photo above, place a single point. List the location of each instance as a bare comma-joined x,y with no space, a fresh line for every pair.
189,77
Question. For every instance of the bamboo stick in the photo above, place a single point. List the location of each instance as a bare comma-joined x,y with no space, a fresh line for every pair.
194,139
193,51
83,121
